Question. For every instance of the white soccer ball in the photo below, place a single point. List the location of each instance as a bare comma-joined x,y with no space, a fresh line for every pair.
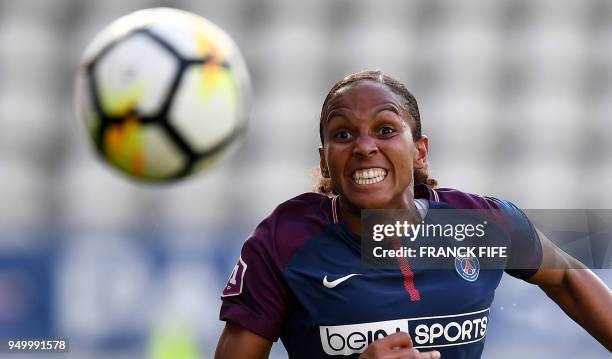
163,93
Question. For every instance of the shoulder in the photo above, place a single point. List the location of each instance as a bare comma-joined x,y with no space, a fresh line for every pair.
309,206
503,212
525,247
463,200
290,225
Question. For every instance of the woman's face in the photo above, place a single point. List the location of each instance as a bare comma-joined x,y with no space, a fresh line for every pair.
368,150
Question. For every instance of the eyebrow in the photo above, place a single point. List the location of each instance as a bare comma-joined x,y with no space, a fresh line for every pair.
389,107
334,113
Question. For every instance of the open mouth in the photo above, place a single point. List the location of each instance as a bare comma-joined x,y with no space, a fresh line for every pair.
369,175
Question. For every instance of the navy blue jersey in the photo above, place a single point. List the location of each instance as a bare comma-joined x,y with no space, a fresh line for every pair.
300,278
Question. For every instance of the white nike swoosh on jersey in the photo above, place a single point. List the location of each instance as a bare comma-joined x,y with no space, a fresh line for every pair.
334,283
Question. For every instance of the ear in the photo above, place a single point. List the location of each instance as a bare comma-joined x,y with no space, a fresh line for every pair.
323,163
421,150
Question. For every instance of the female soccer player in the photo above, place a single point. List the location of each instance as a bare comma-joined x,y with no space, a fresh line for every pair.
299,276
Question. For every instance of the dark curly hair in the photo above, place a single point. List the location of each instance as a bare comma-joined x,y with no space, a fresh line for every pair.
420,176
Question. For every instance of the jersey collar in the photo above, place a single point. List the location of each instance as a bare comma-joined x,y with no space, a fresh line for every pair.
426,192
420,191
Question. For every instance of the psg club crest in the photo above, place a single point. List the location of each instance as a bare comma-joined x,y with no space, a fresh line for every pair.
468,268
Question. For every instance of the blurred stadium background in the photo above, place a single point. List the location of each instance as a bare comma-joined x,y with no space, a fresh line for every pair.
514,95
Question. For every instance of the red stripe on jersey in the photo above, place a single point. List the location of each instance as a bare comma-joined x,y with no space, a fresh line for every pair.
334,209
409,285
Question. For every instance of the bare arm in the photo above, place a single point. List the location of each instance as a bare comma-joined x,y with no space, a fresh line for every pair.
577,290
239,343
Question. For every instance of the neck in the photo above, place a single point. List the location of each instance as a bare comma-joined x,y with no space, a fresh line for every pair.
351,215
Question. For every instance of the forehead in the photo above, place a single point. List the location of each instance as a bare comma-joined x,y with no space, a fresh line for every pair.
364,95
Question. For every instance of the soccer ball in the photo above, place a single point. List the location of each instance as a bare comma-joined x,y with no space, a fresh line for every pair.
163,93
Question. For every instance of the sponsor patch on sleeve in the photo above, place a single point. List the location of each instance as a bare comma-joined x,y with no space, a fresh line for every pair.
236,279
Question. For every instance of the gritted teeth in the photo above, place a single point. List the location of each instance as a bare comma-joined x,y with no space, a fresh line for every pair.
369,175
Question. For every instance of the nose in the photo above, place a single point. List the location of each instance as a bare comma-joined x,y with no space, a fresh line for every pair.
365,146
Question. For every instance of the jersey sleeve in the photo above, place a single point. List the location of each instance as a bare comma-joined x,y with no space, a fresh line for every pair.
525,255
256,294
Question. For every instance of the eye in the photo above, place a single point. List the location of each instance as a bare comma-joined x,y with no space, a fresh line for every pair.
386,131
342,135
